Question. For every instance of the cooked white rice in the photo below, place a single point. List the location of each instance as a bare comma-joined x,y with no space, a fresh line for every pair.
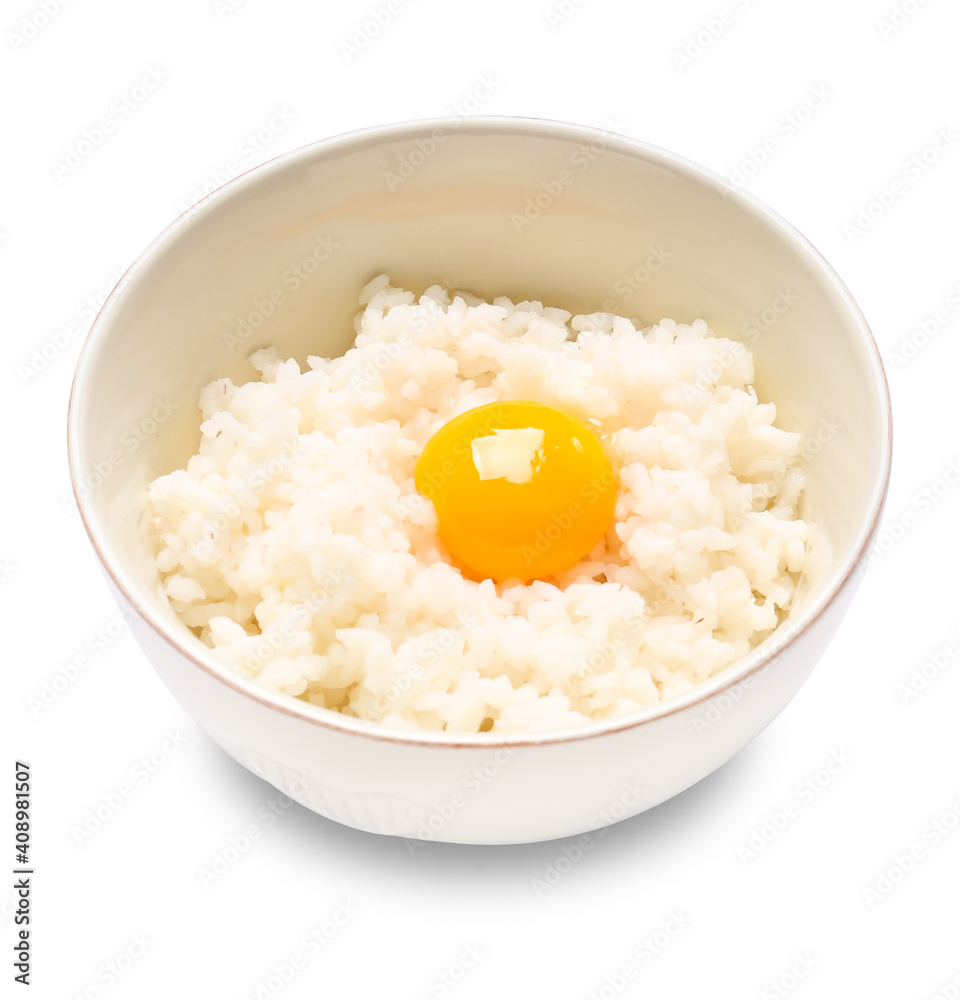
296,546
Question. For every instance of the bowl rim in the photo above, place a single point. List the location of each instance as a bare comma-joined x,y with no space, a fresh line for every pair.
201,656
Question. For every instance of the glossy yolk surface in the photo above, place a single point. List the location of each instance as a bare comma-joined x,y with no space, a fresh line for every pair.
512,502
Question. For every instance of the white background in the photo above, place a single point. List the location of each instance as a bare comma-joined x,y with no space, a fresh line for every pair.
801,903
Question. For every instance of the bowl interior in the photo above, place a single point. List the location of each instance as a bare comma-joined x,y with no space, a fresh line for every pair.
575,218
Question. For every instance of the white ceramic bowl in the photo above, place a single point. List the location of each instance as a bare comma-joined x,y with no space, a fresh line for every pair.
530,209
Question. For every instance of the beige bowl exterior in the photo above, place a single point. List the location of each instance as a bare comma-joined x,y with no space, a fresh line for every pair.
530,209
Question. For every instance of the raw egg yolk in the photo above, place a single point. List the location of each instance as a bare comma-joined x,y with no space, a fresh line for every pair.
521,490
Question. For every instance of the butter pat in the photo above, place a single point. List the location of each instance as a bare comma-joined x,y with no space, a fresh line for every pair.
508,453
